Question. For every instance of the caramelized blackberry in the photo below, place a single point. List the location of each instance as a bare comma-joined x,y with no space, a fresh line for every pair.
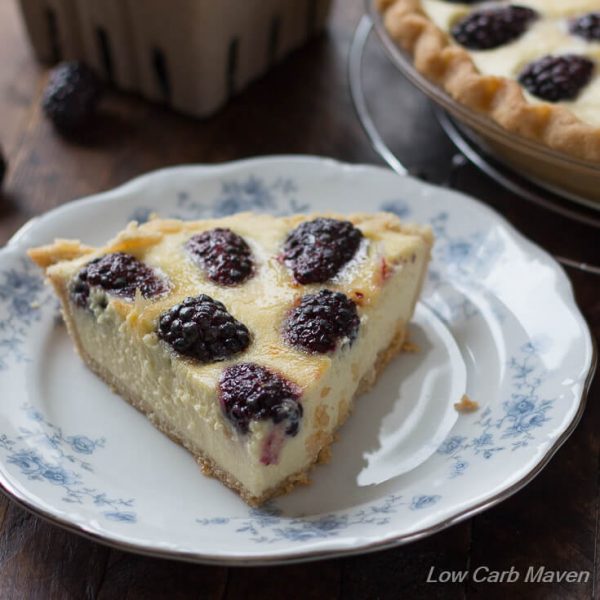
223,254
118,274
250,392
587,27
556,78
316,250
320,321
493,27
201,328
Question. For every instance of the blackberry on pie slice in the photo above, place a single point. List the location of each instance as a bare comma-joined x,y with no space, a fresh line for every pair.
246,338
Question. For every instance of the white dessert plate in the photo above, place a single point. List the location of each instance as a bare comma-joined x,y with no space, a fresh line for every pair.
497,321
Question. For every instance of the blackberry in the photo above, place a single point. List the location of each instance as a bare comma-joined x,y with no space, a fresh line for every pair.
225,256
71,96
587,27
79,290
493,27
201,328
316,250
555,78
118,274
320,321
250,392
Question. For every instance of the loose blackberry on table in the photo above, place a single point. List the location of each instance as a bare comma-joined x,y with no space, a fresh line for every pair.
201,328
71,96
316,250
118,274
223,254
251,392
320,321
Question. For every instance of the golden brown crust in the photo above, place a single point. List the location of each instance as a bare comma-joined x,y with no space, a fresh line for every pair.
466,405
501,99
137,237
46,256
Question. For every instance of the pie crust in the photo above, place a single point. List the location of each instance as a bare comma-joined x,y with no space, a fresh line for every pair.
451,67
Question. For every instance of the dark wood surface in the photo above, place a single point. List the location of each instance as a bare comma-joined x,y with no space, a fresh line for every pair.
302,106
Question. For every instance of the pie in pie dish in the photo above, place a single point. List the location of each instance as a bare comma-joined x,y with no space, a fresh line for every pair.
533,66
244,338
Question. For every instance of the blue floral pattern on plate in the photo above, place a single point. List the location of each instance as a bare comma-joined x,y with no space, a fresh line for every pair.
514,426
43,453
268,525
22,293
254,193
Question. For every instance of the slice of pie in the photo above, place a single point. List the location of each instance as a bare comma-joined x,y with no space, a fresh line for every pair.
246,338
533,66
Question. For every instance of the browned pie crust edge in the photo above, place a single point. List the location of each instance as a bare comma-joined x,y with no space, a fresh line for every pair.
451,67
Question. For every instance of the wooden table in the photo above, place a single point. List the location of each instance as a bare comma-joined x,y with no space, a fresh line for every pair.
301,107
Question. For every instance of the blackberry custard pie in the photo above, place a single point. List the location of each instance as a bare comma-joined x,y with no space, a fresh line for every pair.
533,66
245,338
